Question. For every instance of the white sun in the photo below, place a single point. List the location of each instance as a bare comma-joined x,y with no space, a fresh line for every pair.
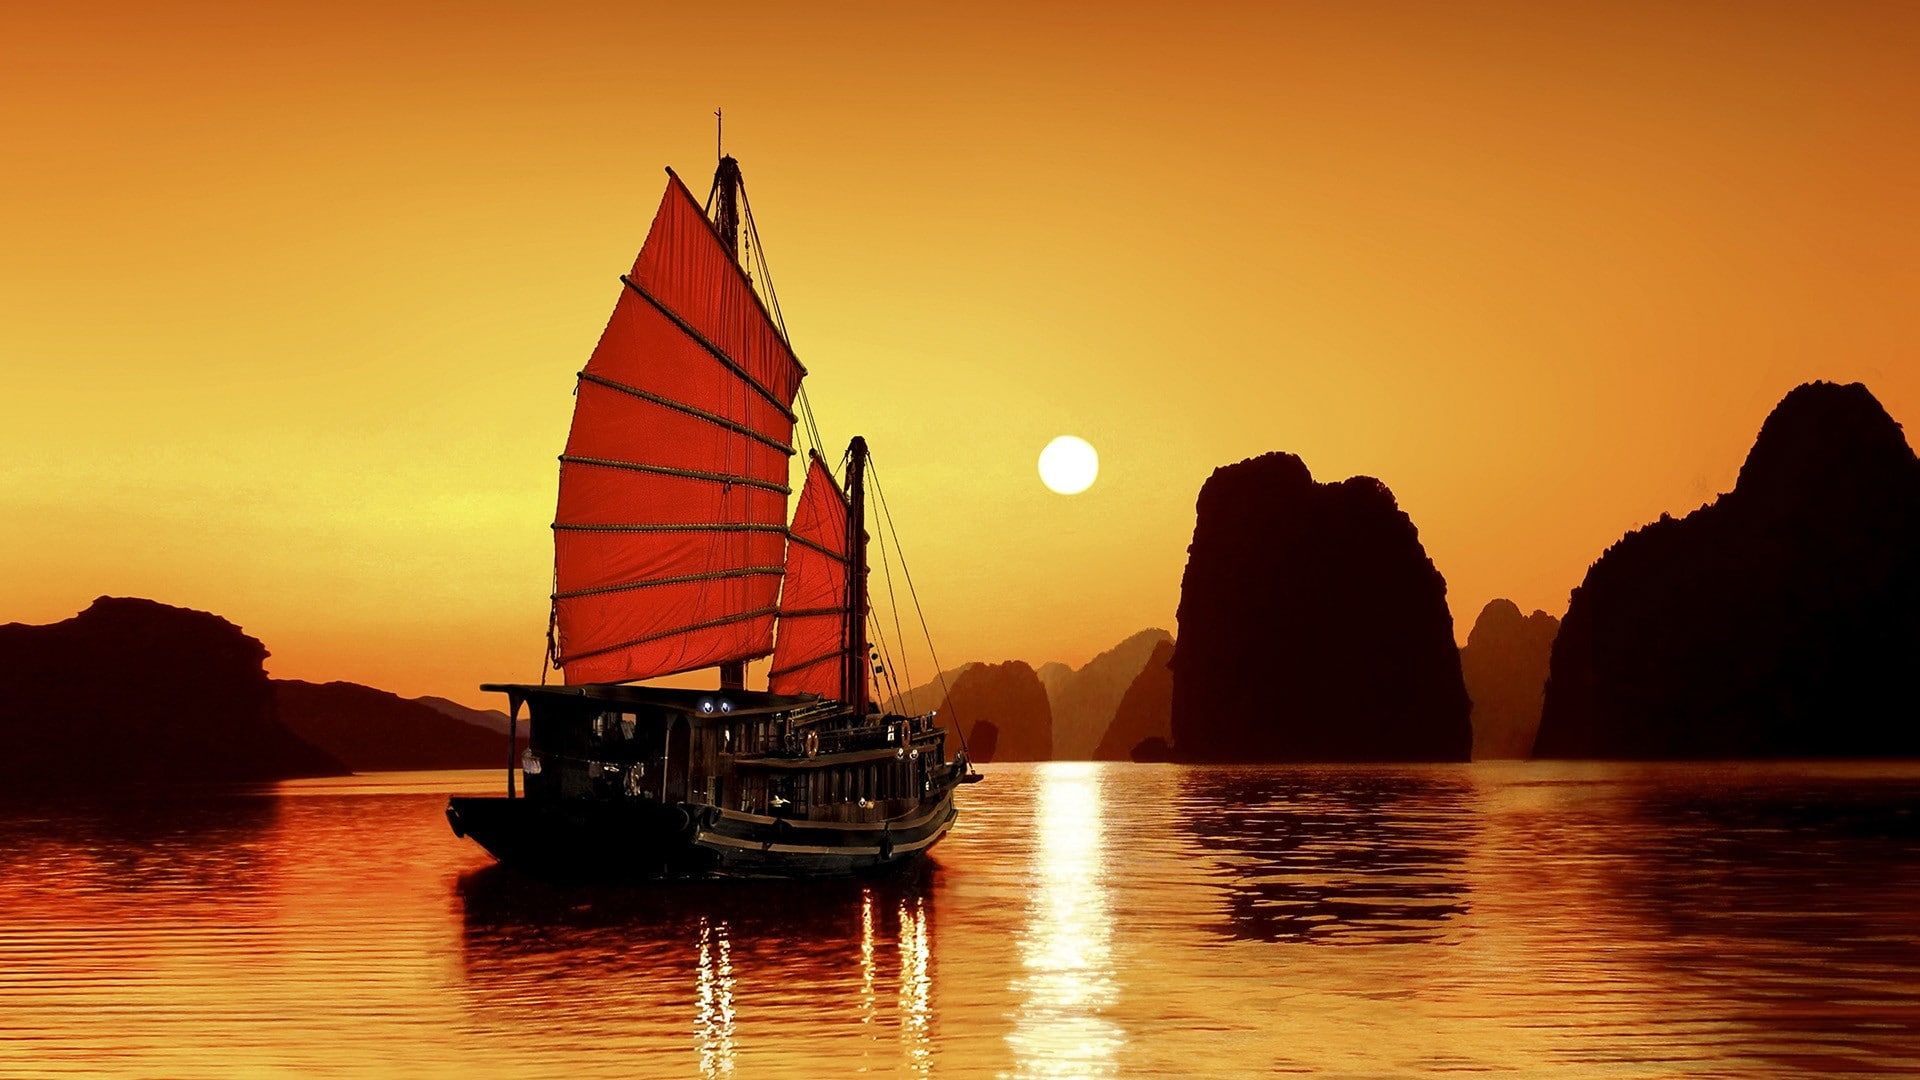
1069,465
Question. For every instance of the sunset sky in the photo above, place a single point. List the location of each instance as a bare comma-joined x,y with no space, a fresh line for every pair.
292,299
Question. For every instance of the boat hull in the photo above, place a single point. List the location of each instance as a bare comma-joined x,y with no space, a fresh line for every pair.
641,839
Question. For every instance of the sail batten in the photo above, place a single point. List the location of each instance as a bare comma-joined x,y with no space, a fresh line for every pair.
691,410
713,350
680,474
677,579
670,530
759,613
804,664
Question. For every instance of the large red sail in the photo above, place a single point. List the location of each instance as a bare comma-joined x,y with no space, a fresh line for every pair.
673,489
813,606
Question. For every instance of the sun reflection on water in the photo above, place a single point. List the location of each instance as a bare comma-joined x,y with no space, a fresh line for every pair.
1066,985
916,988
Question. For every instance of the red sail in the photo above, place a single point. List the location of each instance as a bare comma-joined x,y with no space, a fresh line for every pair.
673,490
813,605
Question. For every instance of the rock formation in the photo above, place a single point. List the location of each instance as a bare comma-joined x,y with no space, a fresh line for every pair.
1780,620
374,731
1011,699
131,692
1145,710
1313,627
1505,665
1054,675
927,696
1083,700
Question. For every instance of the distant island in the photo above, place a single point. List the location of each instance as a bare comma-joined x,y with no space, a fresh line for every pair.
1144,713
1780,620
154,695
1504,663
1084,699
132,693
374,731
1313,626
1001,710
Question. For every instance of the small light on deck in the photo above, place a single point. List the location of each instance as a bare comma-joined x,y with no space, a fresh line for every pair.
706,706
725,705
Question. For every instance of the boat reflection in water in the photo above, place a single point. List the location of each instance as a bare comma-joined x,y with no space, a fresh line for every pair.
824,977
846,962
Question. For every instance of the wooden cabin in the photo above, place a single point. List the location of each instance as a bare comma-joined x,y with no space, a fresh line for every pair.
762,754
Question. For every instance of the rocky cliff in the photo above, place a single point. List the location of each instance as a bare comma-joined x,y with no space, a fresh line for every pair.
928,695
131,692
1780,620
1011,699
1145,711
1083,700
1505,666
1313,626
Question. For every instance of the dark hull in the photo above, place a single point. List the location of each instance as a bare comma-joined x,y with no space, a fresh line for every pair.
640,839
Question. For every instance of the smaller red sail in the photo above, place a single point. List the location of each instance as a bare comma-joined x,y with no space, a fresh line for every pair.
812,638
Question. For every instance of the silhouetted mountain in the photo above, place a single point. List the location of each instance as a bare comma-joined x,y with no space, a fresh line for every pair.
133,692
1008,697
374,731
1313,627
1505,665
1054,675
1145,710
491,719
926,697
1083,701
1781,620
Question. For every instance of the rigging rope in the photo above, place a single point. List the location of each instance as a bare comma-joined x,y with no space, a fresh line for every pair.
893,605
811,430
945,693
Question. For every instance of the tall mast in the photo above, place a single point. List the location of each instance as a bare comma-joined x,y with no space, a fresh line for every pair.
853,671
726,205
726,222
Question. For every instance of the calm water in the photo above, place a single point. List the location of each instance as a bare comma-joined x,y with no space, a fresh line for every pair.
1082,921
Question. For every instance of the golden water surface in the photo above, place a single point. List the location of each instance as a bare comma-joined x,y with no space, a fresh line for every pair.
1082,920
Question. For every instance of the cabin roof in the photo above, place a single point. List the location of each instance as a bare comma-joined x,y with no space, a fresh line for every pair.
622,695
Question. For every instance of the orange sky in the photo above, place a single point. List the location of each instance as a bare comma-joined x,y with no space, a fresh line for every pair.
291,301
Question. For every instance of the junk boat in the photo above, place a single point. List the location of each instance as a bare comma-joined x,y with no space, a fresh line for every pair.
672,554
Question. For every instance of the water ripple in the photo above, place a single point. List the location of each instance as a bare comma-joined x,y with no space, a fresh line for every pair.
1084,920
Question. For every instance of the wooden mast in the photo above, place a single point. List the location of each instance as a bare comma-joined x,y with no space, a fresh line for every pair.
726,222
853,666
